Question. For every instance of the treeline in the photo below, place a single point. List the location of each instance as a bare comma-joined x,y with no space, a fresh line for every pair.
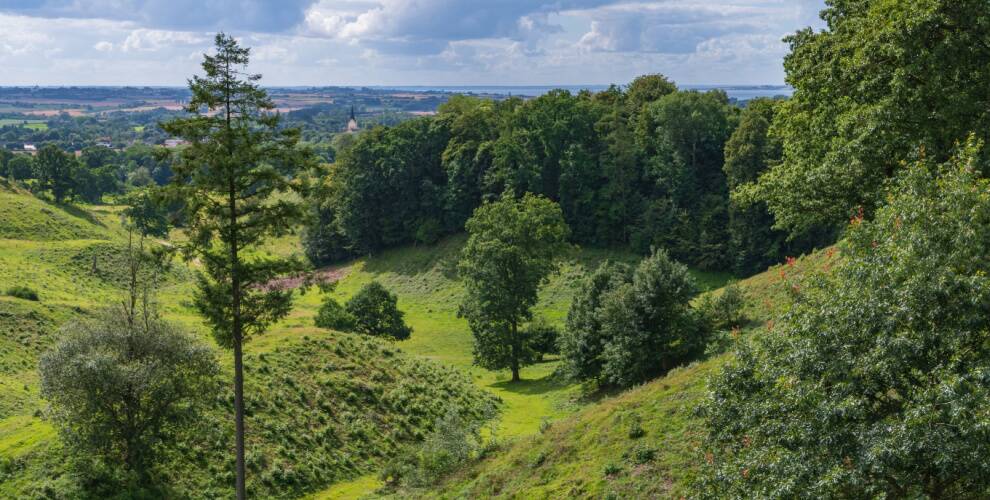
95,172
642,166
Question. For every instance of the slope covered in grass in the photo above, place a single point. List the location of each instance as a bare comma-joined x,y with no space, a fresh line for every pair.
429,292
24,217
322,406
639,444
323,410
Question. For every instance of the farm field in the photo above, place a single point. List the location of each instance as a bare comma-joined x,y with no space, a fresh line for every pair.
31,124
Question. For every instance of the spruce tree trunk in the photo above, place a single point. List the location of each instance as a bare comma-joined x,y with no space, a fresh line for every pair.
238,338
239,414
515,352
238,368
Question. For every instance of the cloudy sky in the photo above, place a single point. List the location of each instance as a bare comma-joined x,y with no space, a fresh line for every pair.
402,42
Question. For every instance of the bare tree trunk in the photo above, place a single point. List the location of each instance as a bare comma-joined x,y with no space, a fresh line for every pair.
238,339
239,414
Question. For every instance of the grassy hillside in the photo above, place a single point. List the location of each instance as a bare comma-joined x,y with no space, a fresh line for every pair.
640,444
322,406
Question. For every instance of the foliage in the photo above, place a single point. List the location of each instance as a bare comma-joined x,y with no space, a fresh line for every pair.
541,337
55,171
119,388
510,253
22,292
228,177
388,185
453,441
333,316
648,323
640,166
683,136
752,149
21,167
582,342
885,83
724,310
628,327
886,356
374,312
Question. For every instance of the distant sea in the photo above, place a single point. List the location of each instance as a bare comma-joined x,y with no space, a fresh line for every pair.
739,92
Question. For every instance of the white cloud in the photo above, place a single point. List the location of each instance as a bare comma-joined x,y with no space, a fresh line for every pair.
154,40
392,42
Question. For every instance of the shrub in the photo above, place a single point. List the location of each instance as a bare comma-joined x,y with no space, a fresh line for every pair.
581,343
375,313
630,330
22,292
334,316
611,469
542,337
725,310
428,232
453,441
119,389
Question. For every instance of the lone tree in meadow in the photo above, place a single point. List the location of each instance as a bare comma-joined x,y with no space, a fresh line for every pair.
237,161
375,312
510,254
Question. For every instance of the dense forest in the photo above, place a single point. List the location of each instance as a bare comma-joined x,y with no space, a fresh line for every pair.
640,166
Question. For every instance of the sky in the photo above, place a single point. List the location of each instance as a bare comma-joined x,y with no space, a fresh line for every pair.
403,42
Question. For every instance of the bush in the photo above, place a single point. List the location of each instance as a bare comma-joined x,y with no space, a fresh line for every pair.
453,441
22,292
120,389
630,330
581,343
542,337
724,311
334,316
375,313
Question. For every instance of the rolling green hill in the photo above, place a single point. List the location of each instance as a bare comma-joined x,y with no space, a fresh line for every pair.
642,443
323,406
328,408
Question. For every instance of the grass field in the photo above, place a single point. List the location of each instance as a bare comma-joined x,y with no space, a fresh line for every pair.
31,124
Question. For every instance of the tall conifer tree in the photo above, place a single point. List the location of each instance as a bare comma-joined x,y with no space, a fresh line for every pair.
229,176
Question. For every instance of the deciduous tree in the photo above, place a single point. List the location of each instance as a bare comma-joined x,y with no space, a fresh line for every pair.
512,249
875,383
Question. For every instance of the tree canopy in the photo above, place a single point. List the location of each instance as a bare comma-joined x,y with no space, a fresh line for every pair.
875,383
886,82
229,178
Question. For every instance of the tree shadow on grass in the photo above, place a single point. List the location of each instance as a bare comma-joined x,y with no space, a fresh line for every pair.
532,387
414,260
73,211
